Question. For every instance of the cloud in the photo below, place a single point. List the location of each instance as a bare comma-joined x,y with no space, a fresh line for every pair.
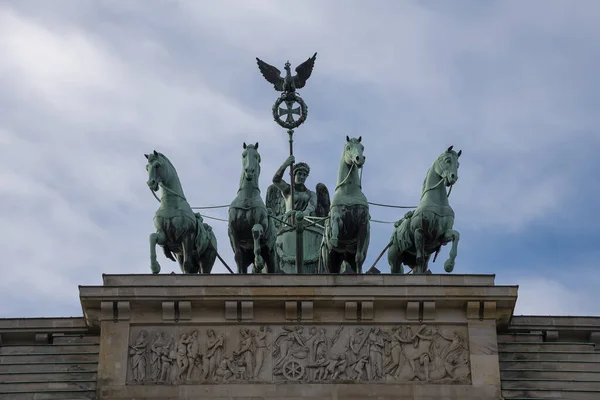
88,87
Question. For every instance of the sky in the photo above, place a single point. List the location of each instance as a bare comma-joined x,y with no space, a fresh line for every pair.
87,87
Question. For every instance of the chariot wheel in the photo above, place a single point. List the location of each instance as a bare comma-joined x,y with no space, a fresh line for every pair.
293,370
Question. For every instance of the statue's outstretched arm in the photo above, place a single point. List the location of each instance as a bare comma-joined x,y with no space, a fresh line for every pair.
278,177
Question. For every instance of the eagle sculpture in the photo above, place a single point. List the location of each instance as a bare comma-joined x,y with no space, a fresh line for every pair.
289,83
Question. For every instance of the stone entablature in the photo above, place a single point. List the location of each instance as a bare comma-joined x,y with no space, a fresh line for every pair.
312,335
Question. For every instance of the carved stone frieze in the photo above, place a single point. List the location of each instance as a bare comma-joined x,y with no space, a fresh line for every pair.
298,353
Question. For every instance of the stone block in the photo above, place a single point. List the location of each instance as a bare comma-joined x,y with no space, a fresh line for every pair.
351,310
247,310
231,310
42,338
291,310
429,313
482,337
485,370
473,310
107,311
594,338
412,310
489,310
185,310
366,310
123,311
306,310
168,311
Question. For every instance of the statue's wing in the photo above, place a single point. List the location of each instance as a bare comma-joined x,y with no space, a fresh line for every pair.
303,72
323,200
271,74
275,204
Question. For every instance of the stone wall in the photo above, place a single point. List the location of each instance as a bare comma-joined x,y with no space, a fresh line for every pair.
551,357
47,358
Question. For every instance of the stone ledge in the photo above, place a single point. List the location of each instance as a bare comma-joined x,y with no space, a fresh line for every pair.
230,280
556,328
45,325
377,294
350,391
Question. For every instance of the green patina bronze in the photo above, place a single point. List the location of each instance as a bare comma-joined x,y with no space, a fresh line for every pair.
347,231
297,230
423,231
306,212
251,231
181,233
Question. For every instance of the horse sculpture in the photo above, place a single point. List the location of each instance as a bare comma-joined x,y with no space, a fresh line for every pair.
423,231
347,232
182,233
251,231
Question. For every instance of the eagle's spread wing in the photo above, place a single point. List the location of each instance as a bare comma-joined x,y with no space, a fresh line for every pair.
275,204
271,74
303,72
323,201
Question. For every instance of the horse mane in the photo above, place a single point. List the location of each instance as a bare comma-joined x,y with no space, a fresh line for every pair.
425,180
162,157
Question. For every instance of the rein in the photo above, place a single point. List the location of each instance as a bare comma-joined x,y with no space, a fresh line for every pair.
348,176
168,190
436,185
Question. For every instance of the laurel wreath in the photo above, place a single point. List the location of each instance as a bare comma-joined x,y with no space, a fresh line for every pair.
303,111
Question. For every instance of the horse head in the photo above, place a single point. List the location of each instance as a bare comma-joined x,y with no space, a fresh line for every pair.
353,152
446,166
158,170
250,162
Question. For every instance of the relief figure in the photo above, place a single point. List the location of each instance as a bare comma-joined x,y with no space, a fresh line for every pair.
138,357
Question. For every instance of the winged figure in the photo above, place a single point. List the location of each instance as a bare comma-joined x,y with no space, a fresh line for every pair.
288,83
311,204
276,203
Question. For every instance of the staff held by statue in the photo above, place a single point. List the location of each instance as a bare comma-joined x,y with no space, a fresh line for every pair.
287,85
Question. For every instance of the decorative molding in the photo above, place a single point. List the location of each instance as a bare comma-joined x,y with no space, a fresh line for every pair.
183,354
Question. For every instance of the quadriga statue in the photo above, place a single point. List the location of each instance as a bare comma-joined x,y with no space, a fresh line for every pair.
251,231
182,233
306,204
347,231
425,230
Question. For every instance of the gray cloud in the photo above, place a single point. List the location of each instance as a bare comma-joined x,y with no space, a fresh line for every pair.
88,87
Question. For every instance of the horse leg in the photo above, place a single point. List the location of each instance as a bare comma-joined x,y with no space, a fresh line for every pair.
187,247
419,240
426,269
335,225
207,261
362,245
259,262
454,237
395,259
180,260
235,245
420,247
158,238
334,261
